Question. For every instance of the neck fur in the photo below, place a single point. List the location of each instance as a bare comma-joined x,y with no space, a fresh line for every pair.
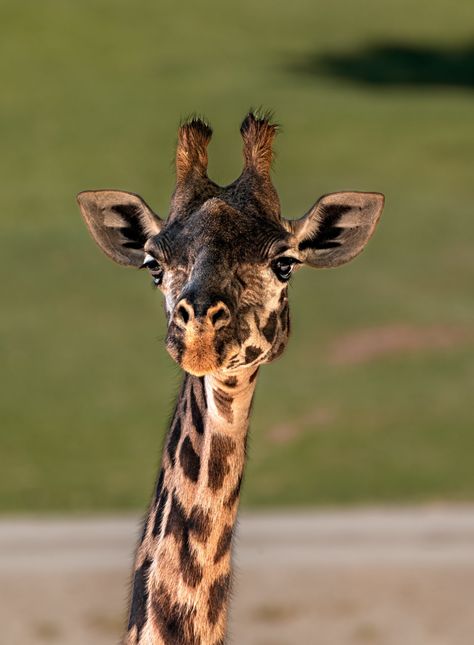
182,572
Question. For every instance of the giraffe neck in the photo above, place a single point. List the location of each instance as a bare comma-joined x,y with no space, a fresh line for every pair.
182,570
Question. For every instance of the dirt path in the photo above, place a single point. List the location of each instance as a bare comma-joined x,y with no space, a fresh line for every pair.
329,578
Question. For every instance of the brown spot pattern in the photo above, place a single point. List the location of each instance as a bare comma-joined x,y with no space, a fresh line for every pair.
221,448
159,483
203,390
253,376
200,524
173,441
189,460
217,596
174,621
177,526
269,330
251,353
223,546
138,608
234,496
223,403
196,414
159,513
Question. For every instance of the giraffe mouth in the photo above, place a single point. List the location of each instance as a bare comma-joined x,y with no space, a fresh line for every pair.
199,350
199,360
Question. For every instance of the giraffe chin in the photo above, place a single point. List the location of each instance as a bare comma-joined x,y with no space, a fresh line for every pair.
199,359
197,372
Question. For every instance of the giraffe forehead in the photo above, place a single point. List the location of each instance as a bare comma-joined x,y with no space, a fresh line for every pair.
222,234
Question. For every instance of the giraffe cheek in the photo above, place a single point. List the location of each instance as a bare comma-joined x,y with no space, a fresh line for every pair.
175,344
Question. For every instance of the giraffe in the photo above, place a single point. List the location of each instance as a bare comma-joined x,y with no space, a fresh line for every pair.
222,259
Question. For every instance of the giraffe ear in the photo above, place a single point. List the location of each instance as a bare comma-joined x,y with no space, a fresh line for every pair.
120,223
337,227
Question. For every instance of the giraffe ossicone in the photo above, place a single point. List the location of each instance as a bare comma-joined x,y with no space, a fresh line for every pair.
222,259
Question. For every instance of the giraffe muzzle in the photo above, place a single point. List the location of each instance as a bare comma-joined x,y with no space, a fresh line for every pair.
196,337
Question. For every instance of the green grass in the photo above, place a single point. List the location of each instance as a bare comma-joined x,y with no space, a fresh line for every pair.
91,96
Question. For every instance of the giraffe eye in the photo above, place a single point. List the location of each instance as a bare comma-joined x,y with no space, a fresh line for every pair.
283,267
155,268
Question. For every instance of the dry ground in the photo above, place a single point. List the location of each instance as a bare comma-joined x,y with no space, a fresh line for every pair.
355,577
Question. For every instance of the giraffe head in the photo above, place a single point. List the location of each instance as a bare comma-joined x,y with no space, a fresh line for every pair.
224,255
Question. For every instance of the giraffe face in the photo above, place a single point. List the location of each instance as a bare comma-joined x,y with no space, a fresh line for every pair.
224,255
224,274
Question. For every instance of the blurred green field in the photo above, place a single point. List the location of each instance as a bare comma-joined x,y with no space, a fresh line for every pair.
91,95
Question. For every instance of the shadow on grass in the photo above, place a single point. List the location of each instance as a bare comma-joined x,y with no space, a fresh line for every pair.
396,64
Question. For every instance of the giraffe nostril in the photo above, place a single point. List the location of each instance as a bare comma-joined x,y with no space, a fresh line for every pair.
183,314
219,316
